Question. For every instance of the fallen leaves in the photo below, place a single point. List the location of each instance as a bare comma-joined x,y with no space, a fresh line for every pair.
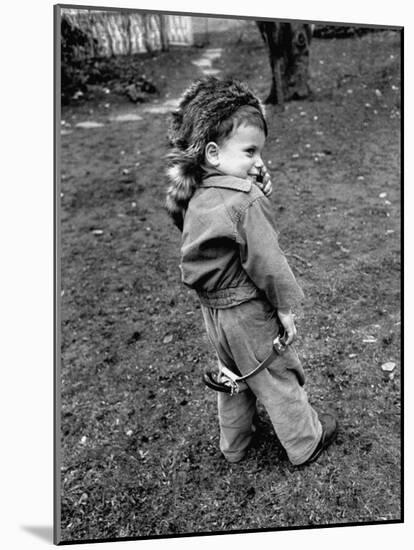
388,370
83,498
388,367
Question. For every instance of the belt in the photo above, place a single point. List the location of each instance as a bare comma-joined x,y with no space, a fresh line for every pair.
228,297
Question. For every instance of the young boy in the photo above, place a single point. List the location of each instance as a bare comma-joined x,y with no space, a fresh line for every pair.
231,257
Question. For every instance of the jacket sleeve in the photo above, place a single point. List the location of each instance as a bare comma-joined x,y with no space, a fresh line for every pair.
262,258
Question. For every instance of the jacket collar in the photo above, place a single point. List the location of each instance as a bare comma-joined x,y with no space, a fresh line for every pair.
227,182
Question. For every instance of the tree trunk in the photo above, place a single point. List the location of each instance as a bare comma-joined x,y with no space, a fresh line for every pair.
288,48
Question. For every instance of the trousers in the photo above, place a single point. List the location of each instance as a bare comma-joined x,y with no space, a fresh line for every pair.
242,338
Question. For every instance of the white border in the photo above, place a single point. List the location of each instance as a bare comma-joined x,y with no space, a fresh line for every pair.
27,281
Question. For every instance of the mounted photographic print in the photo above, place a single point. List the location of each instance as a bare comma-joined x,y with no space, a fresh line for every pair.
228,274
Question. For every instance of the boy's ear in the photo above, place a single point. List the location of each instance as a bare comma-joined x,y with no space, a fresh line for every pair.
212,153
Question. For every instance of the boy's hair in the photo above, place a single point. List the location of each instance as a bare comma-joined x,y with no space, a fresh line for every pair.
209,110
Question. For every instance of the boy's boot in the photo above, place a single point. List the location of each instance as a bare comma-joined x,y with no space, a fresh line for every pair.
329,431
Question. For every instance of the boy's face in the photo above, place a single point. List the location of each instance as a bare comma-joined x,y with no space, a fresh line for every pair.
240,153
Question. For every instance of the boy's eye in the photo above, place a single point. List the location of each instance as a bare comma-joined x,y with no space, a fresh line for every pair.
250,152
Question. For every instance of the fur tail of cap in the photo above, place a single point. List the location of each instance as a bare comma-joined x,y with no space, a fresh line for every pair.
184,177
184,170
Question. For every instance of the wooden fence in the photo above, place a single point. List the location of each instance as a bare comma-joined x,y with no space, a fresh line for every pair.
120,33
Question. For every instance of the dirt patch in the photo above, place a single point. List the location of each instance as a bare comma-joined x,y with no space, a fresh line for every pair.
139,433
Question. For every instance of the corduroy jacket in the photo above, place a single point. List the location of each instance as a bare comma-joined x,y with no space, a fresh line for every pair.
229,248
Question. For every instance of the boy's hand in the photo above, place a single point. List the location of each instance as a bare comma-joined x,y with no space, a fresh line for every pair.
266,184
286,318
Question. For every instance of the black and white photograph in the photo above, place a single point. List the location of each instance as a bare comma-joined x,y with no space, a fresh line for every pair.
228,204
